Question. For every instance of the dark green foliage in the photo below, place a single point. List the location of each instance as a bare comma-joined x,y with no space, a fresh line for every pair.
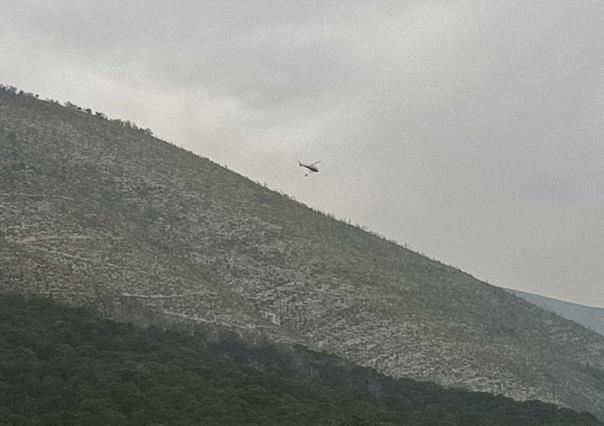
62,365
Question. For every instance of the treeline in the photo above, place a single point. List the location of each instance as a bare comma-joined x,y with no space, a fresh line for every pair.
61,365
13,91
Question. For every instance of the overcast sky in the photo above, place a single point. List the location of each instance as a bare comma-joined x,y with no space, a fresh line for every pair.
470,130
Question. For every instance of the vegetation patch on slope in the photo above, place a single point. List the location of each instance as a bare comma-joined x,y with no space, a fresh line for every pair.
62,365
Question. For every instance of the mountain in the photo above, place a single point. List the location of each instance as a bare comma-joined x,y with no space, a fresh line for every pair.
98,212
589,317
81,369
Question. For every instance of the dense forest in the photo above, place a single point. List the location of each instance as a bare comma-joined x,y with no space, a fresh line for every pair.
64,365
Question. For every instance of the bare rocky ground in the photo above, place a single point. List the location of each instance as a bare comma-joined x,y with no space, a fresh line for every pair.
589,317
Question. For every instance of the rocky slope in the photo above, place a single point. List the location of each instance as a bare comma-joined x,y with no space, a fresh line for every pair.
589,317
97,212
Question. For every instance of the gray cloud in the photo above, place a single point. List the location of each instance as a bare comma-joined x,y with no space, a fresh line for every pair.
469,129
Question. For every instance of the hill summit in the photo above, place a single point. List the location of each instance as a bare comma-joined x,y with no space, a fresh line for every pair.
98,212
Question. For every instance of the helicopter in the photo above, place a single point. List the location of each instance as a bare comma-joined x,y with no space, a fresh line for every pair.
312,167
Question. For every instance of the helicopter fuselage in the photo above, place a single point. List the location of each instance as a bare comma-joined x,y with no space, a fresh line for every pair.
310,167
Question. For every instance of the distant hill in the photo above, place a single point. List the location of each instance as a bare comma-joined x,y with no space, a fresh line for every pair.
68,366
99,213
589,317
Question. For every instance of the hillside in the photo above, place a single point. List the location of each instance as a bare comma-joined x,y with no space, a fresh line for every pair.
589,317
79,368
99,213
